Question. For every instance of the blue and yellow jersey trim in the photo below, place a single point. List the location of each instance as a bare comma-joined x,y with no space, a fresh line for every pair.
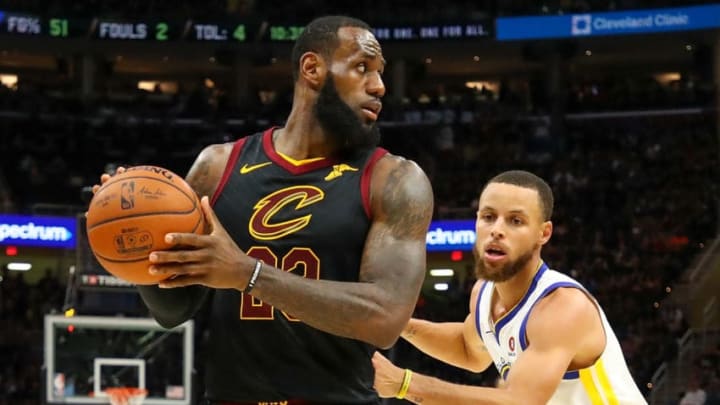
597,385
548,290
508,316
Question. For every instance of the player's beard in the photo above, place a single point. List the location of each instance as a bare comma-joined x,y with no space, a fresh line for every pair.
505,272
341,123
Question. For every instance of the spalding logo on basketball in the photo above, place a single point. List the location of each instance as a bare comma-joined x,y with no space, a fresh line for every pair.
130,214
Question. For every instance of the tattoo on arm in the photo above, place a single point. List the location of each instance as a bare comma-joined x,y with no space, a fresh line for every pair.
407,201
198,178
205,173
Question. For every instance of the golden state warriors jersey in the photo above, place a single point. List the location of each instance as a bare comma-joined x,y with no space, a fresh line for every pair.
607,382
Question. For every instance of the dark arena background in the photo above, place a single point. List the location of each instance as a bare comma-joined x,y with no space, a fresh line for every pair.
620,117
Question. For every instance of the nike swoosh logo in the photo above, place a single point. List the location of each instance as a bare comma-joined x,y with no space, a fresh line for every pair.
247,169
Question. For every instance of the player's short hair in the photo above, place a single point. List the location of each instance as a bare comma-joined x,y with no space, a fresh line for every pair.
321,36
525,179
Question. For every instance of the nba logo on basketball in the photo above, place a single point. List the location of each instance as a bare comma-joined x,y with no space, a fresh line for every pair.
127,197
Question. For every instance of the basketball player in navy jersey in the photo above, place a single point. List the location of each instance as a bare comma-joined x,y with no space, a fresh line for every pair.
547,337
316,246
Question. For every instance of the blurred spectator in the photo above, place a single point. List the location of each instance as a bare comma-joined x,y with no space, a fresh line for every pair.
694,395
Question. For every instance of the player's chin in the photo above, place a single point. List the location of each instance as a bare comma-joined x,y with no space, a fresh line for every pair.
369,125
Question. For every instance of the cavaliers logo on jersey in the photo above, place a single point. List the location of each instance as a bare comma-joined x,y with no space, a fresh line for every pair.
262,226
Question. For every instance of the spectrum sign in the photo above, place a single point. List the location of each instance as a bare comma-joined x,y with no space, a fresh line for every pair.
450,235
20,230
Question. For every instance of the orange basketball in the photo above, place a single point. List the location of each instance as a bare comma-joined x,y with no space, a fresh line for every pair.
130,215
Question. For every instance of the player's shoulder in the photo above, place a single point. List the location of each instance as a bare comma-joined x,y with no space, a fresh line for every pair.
216,154
218,148
390,160
479,284
401,195
398,169
218,151
569,297
475,293
577,309
397,178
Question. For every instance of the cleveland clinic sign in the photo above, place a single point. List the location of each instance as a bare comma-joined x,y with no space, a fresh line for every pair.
609,23
587,24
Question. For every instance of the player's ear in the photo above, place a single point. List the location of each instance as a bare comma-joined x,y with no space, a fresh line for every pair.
313,69
546,232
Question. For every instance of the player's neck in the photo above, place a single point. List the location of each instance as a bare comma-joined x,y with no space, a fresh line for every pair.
510,292
302,137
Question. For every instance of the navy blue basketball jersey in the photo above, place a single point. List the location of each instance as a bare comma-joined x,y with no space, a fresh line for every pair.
310,219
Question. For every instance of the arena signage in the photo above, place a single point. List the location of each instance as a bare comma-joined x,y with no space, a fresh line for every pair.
55,232
610,23
450,235
159,30
468,30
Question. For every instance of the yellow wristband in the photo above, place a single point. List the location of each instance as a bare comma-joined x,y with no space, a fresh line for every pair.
405,386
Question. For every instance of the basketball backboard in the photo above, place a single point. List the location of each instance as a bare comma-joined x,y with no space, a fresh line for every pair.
85,355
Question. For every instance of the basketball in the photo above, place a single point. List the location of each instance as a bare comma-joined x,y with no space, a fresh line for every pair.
130,214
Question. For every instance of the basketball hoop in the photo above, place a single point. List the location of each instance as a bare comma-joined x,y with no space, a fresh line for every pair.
126,395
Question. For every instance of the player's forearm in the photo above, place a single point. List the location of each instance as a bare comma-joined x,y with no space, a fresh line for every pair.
359,310
171,307
441,340
427,390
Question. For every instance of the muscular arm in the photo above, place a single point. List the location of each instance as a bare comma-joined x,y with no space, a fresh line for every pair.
376,308
454,343
562,327
173,307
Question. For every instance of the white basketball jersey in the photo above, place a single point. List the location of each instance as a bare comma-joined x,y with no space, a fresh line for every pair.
607,382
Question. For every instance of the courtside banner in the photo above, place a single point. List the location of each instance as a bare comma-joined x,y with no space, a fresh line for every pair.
609,23
450,235
20,230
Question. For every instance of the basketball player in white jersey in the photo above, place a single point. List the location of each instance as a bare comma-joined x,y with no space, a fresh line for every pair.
548,338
